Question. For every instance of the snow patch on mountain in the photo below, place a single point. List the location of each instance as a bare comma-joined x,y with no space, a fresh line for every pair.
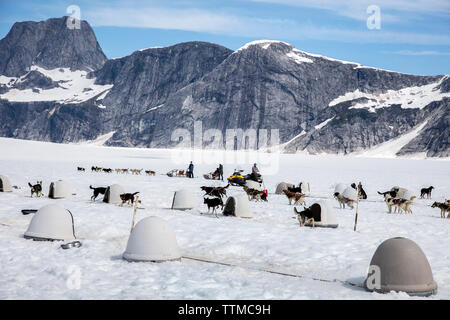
389,149
265,44
73,87
408,98
323,124
298,58
99,141
154,108
103,95
4,80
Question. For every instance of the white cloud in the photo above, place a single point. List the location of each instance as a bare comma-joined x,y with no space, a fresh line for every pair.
420,53
227,24
356,9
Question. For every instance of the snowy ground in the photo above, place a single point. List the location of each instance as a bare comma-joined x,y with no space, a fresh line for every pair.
272,239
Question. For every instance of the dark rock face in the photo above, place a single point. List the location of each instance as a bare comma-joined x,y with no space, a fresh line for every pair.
147,78
265,85
262,88
53,122
35,79
49,44
434,139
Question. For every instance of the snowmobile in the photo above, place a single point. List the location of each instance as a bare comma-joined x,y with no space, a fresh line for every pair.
258,178
237,179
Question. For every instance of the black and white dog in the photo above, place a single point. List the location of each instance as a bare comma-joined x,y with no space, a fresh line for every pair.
426,192
213,203
128,197
37,188
97,191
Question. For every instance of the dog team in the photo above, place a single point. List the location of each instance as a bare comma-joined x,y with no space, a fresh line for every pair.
122,171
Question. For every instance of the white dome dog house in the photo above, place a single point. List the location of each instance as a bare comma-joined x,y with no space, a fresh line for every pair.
350,193
183,200
152,239
5,185
402,266
112,194
283,186
400,191
406,194
326,213
254,185
340,187
59,189
238,206
305,187
51,222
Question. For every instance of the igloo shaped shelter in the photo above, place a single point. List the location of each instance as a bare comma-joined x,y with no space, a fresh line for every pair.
238,206
152,239
305,187
405,194
5,185
254,185
183,200
340,187
51,222
400,191
402,266
112,194
59,189
350,193
326,213
283,186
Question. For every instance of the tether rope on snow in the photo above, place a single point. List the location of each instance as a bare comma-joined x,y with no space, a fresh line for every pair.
282,273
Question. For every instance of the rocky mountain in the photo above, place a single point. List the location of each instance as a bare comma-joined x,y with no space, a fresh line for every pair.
49,44
318,104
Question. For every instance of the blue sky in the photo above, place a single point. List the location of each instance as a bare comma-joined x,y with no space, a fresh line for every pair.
413,36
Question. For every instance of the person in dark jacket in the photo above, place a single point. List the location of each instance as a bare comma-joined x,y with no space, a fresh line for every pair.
191,170
255,173
221,172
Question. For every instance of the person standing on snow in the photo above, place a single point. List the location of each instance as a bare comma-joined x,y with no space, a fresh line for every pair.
221,172
191,170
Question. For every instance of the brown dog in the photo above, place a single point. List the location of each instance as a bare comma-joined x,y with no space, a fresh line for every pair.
343,201
254,194
445,207
298,197
405,205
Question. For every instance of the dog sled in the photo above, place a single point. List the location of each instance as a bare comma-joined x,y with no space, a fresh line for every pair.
211,176
177,173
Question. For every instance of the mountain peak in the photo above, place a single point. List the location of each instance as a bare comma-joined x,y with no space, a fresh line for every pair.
265,44
49,44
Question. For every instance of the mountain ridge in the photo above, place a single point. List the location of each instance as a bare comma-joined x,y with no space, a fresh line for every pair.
319,104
